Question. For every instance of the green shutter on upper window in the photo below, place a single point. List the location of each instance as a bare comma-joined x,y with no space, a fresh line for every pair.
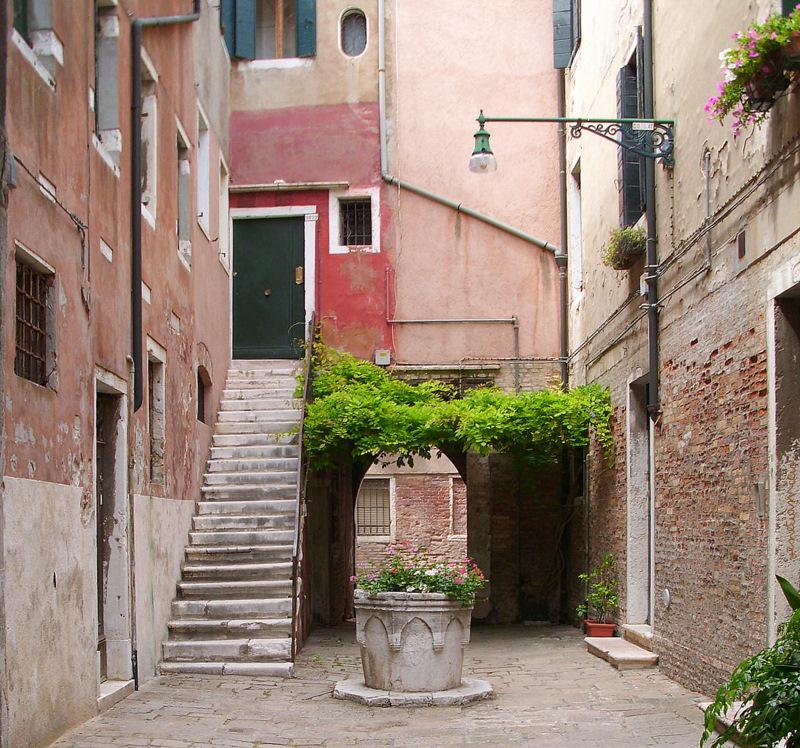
227,22
306,28
788,6
21,17
563,41
245,30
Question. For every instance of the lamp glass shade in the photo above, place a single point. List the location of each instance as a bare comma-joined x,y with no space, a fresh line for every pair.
482,163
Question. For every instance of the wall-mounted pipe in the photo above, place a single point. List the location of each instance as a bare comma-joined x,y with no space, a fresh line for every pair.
136,187
421,191
562,259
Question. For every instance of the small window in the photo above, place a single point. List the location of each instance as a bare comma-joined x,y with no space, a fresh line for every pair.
106,81
631,165
182,227
203,175
33,328
787,5
354,33
21,18
148,154
373,508
276,29
222,216
355,222
156,418
203,389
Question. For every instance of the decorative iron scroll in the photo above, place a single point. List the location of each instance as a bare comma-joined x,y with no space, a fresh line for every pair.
647,139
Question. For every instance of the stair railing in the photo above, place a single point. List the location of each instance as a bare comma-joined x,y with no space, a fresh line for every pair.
301,610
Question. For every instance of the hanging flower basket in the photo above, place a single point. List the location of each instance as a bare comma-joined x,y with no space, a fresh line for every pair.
754,71
624,247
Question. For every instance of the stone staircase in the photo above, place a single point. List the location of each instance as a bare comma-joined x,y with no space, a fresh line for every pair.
633,650
232,613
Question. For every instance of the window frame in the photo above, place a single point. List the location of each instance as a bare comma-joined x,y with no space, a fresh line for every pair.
345,14
392,513
334,219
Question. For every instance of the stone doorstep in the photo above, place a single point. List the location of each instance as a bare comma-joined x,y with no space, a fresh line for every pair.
470,690
112,692
620,653
727,720
640,634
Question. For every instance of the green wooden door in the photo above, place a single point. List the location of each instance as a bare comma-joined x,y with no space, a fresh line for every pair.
268,287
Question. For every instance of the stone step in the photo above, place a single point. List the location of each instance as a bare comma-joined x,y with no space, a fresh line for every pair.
270,370
620,653
285,427
259,491
277,403
238,554
264,571
264,439
256,465
244,521
250,669
264,393
227,650
255,478
640,634
276,506
240,537
256,452
245,607
230,628
249,416
228,589
244,380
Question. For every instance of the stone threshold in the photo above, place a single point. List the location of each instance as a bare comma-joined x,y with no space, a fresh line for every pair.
112,692
620,653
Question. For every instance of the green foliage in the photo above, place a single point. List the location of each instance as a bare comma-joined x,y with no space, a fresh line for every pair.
408,569
361,410
767,686
602,597
624,246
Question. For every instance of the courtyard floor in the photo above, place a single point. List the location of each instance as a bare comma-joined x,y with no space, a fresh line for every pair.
550,693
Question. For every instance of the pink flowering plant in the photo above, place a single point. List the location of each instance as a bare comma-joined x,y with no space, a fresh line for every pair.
405,568
757,54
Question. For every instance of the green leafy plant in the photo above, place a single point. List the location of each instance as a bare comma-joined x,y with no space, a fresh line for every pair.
766,688
602,596
624,245
754,71
405,568
360,410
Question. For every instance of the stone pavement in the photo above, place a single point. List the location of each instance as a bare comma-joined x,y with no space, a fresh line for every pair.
550,693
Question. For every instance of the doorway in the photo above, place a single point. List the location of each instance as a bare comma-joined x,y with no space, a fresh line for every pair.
269,285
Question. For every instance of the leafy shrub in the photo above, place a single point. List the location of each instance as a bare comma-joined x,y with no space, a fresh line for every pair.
768,687
623,247
407,569
361,410
602,597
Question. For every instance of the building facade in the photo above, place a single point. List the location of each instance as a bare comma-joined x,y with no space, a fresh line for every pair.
100,471
700,504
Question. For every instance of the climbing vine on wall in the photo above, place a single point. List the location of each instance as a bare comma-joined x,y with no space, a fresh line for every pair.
361,410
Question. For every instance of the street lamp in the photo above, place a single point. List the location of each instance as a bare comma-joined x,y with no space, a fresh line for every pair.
482,160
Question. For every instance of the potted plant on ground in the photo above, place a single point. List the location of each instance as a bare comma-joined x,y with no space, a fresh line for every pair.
413,620
602,598
762,697
754,71
623,247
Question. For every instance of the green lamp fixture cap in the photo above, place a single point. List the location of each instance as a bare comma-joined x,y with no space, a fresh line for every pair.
483,159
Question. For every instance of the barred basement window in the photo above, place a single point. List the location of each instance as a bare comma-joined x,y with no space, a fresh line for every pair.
355,222
373,508
33,289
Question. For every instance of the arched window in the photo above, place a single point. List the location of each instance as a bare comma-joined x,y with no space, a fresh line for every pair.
354,33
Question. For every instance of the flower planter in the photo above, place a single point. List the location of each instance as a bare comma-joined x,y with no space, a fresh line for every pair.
411,641
762,90
791,53
595,628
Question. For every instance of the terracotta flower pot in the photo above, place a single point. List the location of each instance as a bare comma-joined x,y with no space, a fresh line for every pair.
791,52
763,88
595,628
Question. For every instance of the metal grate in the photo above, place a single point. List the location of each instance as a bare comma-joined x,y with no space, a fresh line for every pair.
31,351
373,514
356,222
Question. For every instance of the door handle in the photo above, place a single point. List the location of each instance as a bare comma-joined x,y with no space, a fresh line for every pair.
299,275
267,291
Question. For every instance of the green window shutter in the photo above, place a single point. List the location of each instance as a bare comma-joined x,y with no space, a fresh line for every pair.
788,6
245,30
21,17
306,28
563,41
227,22
631,167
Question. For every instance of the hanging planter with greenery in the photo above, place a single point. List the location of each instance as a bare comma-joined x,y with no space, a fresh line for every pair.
755,71
363,412
623,247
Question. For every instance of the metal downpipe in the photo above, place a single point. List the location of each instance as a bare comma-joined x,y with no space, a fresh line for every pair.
561,253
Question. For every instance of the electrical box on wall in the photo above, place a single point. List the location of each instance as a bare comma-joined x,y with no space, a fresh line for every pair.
383,357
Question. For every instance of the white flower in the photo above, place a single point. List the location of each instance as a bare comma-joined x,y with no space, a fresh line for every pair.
431,573
724,54
409,589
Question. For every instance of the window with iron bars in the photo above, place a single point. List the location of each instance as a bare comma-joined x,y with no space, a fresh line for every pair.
373,508
33,288
355,222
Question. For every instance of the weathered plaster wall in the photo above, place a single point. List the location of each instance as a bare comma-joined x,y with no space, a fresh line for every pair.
51,627
161,528
712,458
